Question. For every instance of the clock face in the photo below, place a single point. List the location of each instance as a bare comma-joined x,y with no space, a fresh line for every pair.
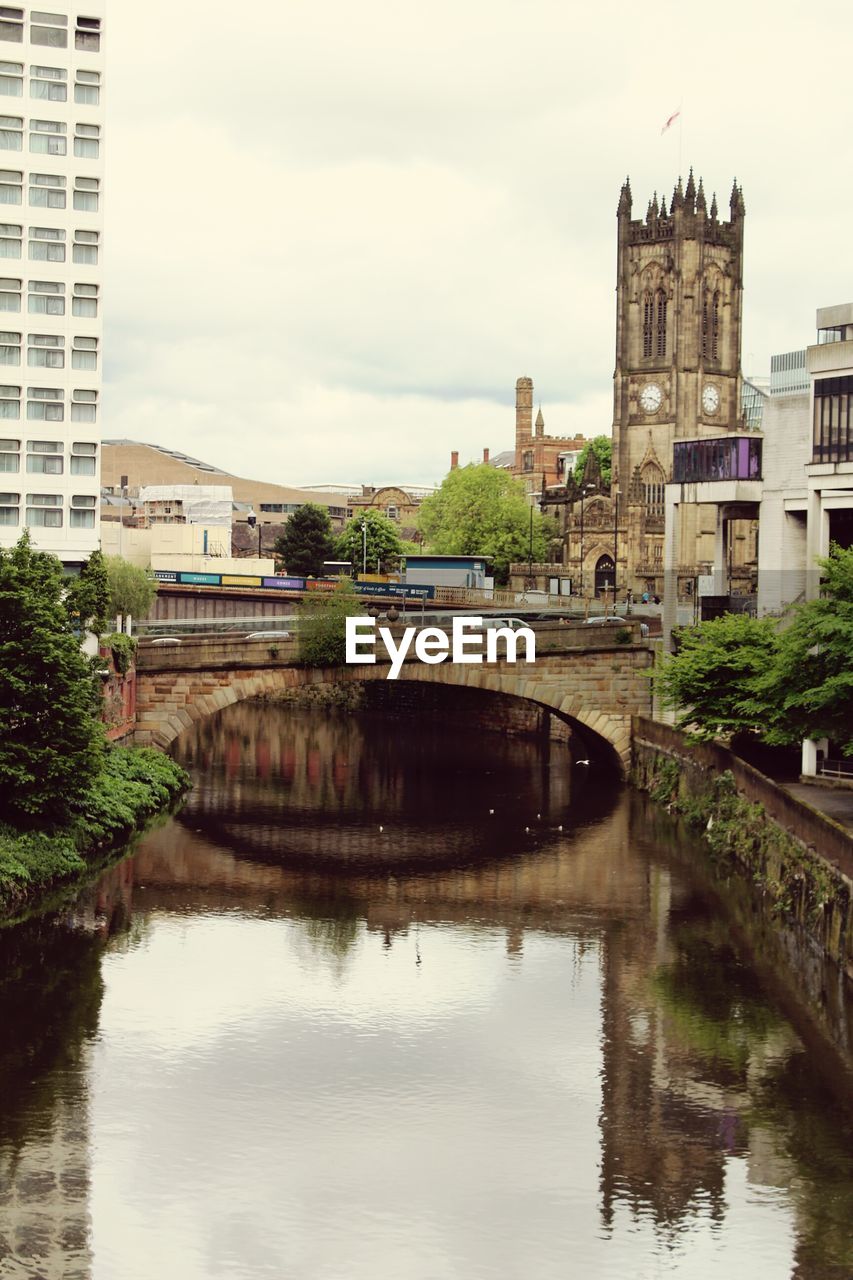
710,399
651,398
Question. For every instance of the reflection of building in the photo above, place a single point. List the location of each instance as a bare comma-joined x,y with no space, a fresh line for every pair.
53,271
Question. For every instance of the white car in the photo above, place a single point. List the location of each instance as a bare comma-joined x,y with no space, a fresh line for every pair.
268,635
165,640
511,624
609,622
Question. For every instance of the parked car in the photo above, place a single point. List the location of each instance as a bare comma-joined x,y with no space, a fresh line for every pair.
165,640
268,635
621,622
512,624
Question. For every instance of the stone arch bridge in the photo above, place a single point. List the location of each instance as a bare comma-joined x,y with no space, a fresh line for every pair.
581,675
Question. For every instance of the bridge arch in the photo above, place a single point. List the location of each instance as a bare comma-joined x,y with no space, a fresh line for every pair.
169,703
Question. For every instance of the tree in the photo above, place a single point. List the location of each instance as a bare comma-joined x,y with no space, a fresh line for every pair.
711,681
132,589
322,635
602,448
480,510
808,691
383,542
51,742
306,542
88,597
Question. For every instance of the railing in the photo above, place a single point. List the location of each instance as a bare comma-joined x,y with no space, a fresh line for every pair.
836,769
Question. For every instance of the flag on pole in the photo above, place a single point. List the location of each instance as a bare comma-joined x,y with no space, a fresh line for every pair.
672,119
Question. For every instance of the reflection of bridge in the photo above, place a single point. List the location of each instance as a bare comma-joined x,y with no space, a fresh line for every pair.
590,680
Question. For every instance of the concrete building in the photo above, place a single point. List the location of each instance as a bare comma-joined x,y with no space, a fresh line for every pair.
51,180
807,493
448,571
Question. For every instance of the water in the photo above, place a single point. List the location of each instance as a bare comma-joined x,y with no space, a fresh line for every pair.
279,1041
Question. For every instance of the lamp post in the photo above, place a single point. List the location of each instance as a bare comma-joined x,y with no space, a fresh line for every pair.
364,545
587,488
616,545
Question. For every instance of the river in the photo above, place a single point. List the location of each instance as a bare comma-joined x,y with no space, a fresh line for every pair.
409,1002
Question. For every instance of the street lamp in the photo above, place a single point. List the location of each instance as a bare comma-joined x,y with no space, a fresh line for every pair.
587,488
364,546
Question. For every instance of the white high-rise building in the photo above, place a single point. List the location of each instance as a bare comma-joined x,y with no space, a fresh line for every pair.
51,248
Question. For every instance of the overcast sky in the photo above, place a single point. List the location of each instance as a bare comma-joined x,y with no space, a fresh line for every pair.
338,233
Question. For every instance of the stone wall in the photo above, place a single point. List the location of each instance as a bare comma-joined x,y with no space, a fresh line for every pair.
799,860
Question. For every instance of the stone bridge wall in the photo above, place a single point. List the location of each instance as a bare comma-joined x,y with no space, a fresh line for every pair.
599,687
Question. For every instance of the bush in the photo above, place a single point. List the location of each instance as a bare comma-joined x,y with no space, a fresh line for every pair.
123,650
322,638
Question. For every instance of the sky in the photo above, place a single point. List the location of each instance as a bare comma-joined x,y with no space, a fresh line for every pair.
337,234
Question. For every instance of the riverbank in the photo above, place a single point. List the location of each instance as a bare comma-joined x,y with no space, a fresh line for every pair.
797,858
136,784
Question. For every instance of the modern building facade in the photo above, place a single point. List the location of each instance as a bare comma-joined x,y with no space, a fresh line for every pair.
51,243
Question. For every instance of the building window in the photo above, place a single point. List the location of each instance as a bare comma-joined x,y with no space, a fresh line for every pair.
11,133
44,457
10,504
83,459
12,79
527,460
46,298
49,84
660,323
47,138
653,491
82,511
87,141
10,348
86,192
648,323
833,419
392,513
84,353
11,187
11,24
84,405
88,34
45,404
44,510
47,190
45,351
10,402
10,295
84,250
10,240
85,300
49,29
87,88
47,244
10,455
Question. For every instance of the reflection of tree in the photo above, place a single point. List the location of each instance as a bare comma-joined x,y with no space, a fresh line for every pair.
50,997
330,920
711,1002
819,1143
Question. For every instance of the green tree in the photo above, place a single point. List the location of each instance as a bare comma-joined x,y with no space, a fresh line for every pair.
88,596
808,690
480,510
306,542
711,682
51,742
383,542
322,623
602,448
132,590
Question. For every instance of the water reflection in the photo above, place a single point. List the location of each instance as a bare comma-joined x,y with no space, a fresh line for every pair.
547,1058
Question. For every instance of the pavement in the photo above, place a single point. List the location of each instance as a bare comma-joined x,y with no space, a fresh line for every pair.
835,802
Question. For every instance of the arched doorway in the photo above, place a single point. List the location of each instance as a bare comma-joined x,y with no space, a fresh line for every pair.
605,575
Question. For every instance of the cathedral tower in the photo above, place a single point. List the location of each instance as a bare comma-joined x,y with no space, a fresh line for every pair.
678,343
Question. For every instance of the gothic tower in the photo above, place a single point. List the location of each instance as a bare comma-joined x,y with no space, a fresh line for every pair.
678,342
